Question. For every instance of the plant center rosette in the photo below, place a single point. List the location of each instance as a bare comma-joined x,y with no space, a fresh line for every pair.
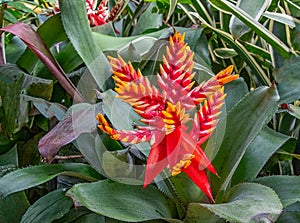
175,137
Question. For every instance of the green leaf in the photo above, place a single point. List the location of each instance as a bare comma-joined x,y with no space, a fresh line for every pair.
132,203
248,202
110,43
74,19
51,31
242,52
294,111
172,7
198,214
5,143
235,91
288,80
74,215
225,53
48,208
38,87
148,20
266,143
282,18
14,49
32,176
46,108
15,112
245,120
287,187
254,8
13,207
254,25
35,43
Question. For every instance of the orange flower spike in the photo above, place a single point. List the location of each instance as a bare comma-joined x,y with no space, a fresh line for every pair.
224,76
176,75
123,72
132,136
206,120
173,143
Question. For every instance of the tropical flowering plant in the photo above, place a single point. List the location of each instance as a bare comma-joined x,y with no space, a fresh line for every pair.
97,14
165,113
207,146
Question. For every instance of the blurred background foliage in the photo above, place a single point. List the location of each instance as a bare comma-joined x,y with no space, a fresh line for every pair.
51,64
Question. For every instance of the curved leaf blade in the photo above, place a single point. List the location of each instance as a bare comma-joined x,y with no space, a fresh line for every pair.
248,202
245,120
74,19
287,187
266,143
122,202
48,208
32,176
254,25
254,8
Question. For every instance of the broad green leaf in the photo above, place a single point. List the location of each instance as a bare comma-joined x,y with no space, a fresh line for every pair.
288,81
225,53
287,187
254,25
110,43
14,49
32,176
186,189
10,90
198,214
290,217
11,157
120,113
48,208
122,202
235,91
13,207
248,202
38,87
266,143
254,8
244,120
76,25
282,18
148,20
86,144
88,218
74,215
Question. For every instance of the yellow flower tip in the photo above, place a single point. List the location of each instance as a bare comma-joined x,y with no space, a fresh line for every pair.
169,121
122,62
167,114
228,79
182,164
139,73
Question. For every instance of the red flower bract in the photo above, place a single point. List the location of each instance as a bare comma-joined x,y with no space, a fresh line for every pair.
164,113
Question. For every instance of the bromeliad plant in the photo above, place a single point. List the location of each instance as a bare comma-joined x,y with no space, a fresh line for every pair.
38,119
165,112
